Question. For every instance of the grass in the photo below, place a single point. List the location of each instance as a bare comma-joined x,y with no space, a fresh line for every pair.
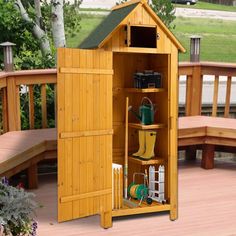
88,23
208,6
218,41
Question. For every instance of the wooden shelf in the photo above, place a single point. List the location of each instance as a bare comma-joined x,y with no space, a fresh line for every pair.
140,126
154,161
146,90
144,208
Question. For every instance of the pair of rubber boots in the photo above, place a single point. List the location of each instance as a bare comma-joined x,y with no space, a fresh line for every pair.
147,140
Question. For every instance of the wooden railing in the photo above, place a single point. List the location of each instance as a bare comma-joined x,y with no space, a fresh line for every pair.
10,84
195,73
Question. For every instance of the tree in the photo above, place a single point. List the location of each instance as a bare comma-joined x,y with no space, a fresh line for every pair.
37,31
165,10
37,27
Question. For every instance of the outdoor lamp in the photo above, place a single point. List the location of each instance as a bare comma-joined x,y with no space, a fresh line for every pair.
195,48
8,56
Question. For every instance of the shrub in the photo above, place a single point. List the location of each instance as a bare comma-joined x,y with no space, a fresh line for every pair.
17,208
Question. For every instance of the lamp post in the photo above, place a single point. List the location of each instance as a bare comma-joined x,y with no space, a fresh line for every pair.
8,56
195,48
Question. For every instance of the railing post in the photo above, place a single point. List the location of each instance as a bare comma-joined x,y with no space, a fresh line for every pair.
194,89
12,92
194,92
13,104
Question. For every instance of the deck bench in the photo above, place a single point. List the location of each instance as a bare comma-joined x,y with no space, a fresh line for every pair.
22,150
208,133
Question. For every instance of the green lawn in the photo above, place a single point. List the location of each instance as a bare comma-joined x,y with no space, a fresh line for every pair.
208,6
88,23
218,41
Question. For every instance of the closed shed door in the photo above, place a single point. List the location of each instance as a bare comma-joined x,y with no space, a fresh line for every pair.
84,133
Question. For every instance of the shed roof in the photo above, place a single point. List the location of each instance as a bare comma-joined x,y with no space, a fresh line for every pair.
103,32
106,27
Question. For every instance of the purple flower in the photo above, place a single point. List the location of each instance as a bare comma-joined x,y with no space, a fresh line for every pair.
34,228
5,181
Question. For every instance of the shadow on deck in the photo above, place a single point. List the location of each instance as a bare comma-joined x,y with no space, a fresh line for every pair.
206,207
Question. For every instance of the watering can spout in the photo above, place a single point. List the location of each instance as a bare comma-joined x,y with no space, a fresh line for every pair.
135,113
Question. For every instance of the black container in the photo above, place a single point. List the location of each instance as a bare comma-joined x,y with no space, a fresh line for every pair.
147,79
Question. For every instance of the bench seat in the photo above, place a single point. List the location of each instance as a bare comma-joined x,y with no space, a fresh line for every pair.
20,150
208,132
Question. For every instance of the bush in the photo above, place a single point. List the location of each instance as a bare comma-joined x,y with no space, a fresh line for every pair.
16,210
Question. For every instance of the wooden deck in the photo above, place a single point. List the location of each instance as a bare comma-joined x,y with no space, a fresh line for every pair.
207,203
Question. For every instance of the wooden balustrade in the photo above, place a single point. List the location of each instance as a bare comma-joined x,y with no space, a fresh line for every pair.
10,91
194,73
10,86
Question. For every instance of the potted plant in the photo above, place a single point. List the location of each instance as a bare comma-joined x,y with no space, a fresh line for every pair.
17,209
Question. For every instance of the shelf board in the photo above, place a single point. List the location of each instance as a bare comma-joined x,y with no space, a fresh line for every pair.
155,207
140,126
154,161
146,90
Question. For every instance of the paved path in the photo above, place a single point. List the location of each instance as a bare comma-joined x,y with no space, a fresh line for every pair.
184,12
198,13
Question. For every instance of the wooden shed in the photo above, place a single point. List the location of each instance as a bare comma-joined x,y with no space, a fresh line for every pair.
95,82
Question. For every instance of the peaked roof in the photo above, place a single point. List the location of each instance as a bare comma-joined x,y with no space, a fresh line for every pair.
111,23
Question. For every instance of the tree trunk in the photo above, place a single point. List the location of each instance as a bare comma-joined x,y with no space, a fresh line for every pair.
36,30
58,30
38,13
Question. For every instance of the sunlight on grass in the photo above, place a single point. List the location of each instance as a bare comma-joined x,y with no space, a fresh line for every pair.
218,41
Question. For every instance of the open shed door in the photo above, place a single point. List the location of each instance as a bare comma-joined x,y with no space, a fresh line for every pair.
84,134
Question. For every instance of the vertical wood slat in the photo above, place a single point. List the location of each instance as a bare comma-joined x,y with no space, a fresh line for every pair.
31,106
227,99
4,110
215,96
55,103
44,105
18,112
188,95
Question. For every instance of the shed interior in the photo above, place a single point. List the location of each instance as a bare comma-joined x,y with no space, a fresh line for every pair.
125,65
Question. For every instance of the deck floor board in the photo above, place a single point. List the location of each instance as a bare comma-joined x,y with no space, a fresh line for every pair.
207,206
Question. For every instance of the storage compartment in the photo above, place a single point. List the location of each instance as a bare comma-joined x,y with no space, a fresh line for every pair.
125,66
143,37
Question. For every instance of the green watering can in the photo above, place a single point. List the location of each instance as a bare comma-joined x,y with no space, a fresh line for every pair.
146,112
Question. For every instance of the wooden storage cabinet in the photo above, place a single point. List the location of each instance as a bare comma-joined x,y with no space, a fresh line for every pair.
93,83
125,65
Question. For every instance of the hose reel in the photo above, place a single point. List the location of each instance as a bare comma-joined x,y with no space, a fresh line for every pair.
139,191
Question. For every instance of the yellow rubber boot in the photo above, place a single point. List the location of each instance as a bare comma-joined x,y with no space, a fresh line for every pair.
141,138
150,140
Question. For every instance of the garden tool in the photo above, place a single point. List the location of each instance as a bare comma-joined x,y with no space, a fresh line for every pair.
141,138
150,140
146,112
139,191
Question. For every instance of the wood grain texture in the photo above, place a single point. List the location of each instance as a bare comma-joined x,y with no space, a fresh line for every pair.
44,105
215,96
13,105
21,146
4,110
227,98
31,106
85,126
